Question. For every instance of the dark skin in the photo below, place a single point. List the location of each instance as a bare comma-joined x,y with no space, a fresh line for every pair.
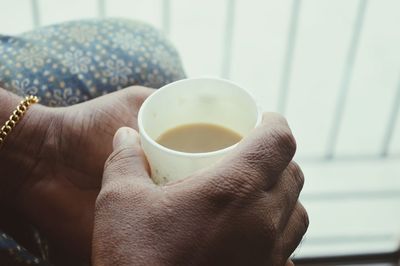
64,165
241,211
52,166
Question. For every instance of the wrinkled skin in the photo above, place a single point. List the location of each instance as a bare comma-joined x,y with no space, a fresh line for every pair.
242,211
55,159
52,166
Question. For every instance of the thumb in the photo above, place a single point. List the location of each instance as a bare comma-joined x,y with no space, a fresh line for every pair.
127,162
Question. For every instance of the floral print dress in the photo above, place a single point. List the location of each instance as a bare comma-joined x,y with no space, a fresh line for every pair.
73,62
76,61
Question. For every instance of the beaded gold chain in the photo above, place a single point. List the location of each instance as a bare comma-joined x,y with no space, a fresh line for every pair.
16,116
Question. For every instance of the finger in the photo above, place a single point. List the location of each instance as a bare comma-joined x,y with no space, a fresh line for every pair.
277,128
127,163
293,232
289,263
286,192
260,158
136,95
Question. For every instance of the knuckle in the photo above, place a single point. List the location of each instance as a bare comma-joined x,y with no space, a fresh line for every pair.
256,166
271,152
297,174
118,155
236,184
136,95
268,212
303,217
225,189
271,227
287,198
285,140
120,158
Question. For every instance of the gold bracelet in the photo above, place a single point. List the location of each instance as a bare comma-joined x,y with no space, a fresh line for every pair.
16,116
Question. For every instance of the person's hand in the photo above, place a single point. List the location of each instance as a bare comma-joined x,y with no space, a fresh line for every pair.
244,210
54,163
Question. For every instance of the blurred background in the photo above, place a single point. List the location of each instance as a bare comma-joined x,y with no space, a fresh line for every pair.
331,67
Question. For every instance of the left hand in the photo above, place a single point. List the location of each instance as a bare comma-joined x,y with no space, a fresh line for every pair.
54,164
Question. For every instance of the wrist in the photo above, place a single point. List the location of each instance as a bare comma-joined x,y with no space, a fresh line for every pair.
22,147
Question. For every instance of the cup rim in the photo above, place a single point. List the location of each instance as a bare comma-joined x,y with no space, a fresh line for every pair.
143,132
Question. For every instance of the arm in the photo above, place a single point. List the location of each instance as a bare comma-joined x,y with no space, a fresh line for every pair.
22,146
51,164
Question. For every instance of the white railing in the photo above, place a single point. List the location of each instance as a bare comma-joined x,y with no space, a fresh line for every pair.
168,9
332,67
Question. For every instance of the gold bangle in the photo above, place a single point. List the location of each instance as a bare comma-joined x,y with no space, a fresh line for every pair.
16,116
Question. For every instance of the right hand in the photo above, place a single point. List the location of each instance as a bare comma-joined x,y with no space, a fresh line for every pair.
243,210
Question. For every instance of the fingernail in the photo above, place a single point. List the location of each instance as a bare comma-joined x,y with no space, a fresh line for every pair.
125,136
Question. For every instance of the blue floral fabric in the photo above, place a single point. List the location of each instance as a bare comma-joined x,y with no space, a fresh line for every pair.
76,61
73,62
12,253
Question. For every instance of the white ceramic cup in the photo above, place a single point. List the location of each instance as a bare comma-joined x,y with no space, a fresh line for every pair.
196,100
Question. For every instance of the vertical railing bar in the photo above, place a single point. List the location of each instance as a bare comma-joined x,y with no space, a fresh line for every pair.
101,8
35,13
346,79
166,17
287,63
228,39
391,125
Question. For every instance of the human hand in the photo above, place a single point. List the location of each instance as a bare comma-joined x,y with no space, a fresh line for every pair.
54,163
241,211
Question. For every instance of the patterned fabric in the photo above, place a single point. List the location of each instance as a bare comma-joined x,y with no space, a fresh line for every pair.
12,253
76,61
72,62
